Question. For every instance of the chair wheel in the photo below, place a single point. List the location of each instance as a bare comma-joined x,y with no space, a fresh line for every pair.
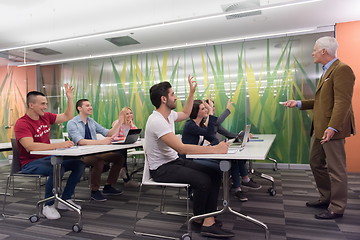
186,236
272,191
76,228
34,218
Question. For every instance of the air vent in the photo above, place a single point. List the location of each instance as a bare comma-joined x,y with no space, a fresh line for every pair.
45,51
122,41
242,6
12,57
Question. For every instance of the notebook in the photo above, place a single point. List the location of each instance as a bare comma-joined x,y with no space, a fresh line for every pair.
132,136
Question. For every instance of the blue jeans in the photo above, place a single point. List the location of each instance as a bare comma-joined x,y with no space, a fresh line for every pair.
44,167
238,168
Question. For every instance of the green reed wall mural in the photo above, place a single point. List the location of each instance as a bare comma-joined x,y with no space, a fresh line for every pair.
256,76
12,102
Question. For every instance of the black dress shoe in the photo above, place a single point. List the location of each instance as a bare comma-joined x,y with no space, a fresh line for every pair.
317,204
216,231
328,215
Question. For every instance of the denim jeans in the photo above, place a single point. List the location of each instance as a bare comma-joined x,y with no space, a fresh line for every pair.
43,166
238,168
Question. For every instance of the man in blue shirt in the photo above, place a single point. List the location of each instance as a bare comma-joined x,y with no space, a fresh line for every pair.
82,131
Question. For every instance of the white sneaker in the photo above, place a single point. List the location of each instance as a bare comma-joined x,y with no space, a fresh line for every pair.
64,207
50,212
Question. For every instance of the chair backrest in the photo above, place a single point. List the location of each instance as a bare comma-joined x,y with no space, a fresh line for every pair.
15,165
147,180
146,173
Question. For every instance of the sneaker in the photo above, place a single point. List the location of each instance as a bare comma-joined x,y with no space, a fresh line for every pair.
131,184
62,206
97,196
241,196
251,184
109,190
216,231
50,212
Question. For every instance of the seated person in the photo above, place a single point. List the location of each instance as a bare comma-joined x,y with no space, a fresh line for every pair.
126,123
162,147
238,167
195,132
82,130
32,132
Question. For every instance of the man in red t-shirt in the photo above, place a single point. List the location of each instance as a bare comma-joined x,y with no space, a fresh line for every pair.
32,132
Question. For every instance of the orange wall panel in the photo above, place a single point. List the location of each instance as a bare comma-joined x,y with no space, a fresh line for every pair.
348,36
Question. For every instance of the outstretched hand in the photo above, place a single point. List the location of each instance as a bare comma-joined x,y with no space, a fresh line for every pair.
289,103
192,84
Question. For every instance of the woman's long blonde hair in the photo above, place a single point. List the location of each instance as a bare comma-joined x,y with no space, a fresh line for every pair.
127,108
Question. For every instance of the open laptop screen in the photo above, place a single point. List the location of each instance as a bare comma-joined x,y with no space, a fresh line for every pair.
246,135
132,136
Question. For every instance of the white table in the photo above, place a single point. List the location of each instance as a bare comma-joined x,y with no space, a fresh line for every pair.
56,160
254,150
6,146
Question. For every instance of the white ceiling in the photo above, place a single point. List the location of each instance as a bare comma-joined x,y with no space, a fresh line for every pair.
27,22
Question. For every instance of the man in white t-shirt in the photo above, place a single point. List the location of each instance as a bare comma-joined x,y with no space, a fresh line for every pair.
162,148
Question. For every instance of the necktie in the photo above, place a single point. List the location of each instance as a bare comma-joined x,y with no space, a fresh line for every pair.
87,132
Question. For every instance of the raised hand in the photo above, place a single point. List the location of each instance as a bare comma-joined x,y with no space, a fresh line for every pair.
69,91
192,84
209,106
229,103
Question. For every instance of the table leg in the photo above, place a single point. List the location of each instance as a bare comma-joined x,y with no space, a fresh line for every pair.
56,162
225,167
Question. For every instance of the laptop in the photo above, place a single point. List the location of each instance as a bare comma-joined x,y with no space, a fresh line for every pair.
245,138
246,135
132,136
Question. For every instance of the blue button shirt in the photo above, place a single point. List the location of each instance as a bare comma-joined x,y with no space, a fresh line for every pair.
76,129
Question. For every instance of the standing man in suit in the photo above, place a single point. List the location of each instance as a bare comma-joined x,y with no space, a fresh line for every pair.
333,121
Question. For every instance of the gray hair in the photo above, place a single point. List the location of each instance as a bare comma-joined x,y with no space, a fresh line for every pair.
328,43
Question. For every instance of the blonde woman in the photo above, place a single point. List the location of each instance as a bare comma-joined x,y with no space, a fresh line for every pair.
126,123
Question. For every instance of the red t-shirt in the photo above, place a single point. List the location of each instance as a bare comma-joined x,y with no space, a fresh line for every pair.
39,130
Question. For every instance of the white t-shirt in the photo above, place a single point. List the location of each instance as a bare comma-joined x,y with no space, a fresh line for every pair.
157,152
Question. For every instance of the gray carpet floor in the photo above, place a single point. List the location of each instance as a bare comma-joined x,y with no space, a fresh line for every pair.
285,214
